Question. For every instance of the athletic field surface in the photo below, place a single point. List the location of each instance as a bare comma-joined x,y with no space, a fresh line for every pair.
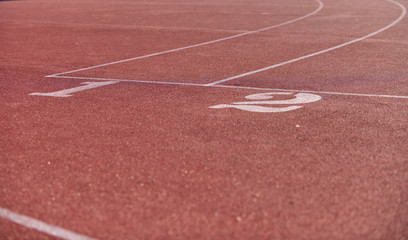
201,120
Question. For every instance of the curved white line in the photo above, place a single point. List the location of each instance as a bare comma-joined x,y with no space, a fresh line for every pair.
196,45
403,13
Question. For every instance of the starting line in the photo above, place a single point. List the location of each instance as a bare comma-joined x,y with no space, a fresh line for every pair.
108,81
302,96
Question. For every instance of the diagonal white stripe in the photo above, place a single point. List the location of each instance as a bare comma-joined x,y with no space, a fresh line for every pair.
41,226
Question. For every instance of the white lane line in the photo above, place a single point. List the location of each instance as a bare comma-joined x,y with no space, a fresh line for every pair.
236,87
195,45
125,26
41,226
311,91
403,13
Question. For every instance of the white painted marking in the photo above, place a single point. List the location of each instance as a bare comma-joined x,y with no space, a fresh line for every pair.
41,226
311,91
195,45
265,96
251,106
403,13
238,87
129,80
67,92
258,109
300,98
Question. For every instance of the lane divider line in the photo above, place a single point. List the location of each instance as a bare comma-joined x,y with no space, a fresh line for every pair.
236,87
41,226
196,45
403,13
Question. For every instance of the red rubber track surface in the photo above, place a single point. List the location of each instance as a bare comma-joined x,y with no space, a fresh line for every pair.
134,160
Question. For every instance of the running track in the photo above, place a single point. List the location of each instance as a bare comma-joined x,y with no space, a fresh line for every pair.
261,119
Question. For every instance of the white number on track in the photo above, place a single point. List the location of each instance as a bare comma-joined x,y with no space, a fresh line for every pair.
67,92
263,99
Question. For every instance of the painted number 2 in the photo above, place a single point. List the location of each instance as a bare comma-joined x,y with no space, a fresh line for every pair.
264,99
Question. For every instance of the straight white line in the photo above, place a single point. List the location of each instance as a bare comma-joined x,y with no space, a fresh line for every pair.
125,26
310,91
236,87
195,45
128,80
41,226
404,11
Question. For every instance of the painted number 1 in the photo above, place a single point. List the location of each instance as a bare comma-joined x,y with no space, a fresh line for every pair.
264,99
68,92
